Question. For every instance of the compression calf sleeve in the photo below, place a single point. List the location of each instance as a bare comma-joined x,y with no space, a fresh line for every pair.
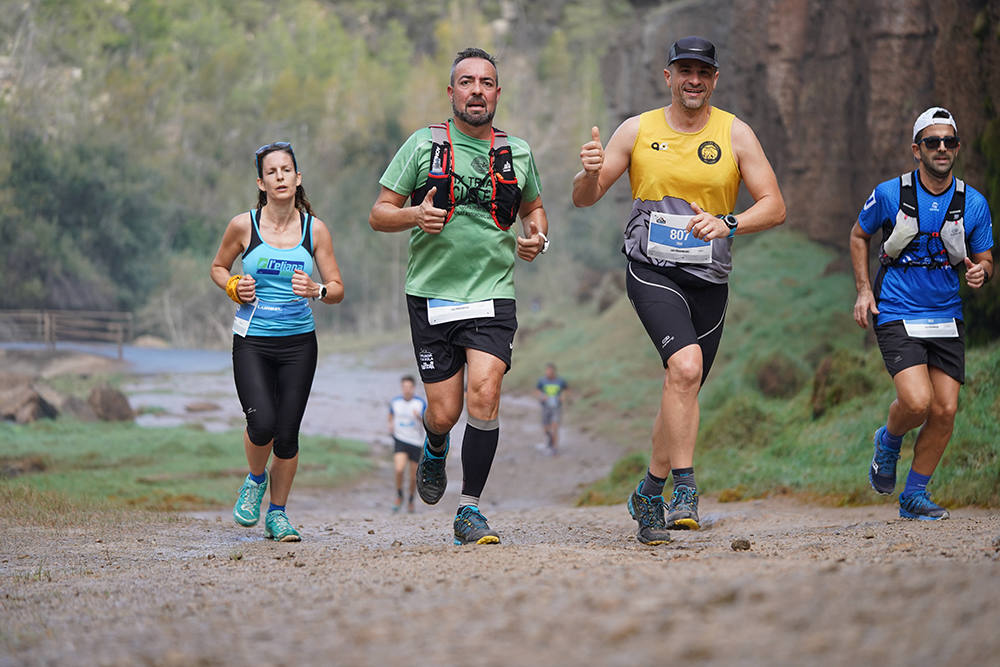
479,446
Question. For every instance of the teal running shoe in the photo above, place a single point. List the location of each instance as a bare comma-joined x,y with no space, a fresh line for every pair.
431,476
246,512
648,511
278,528
882,471
920,506
471,527
682,510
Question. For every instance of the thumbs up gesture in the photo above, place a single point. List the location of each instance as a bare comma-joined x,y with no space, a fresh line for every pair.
975,274
530,245
592,153
429,218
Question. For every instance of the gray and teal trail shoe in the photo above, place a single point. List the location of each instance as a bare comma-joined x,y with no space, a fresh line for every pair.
278,528
246,512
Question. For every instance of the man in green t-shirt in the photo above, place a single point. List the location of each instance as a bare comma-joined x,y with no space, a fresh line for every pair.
466,183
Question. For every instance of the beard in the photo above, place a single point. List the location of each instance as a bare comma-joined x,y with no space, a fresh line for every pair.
475,120
934,168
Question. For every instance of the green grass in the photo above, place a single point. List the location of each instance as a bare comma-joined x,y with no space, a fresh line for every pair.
767,424
66,465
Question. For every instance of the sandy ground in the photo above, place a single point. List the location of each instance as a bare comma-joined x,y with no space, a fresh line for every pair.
568,585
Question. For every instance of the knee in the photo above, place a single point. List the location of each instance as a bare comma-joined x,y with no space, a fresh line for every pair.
683,372
943,411
260,427
915,403
484,400
286,446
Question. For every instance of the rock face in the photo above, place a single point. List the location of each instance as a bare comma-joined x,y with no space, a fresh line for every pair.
830,88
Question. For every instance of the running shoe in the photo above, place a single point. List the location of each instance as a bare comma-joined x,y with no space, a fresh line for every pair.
648,511
471,527
682,511
882,472
278,528
431,476
920,506
246,512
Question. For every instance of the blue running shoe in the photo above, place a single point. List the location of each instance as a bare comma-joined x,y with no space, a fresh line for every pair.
920,506
471,527
431,476
648,511
246,511
882,472
682,511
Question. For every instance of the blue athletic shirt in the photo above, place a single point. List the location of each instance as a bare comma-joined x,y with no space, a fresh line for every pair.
917,291
280,312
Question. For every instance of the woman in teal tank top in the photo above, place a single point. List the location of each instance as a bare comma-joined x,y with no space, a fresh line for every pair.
274,336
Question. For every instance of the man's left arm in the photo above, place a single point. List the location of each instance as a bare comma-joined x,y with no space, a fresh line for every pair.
768,209
536,229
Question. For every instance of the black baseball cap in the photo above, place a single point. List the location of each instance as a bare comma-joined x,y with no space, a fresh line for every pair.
693,48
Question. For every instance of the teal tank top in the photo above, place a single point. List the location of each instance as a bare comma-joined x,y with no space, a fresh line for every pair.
278,311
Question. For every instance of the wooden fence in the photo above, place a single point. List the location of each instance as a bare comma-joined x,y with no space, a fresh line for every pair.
56,326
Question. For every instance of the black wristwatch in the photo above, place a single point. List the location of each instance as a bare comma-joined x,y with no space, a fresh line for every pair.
731,222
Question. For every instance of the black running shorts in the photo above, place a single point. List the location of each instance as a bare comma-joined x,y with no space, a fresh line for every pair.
412,451
900,351
440,348
678,310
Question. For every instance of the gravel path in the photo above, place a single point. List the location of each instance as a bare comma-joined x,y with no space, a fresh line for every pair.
568,585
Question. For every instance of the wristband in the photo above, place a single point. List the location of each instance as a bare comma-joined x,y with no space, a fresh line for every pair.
545,246
231,288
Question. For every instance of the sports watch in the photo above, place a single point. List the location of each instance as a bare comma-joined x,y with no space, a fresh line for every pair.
731,222
322,292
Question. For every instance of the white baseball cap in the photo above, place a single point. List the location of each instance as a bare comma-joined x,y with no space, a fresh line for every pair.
933,116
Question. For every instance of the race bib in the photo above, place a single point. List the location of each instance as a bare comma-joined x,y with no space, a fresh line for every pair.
669,239
440,311
245,313
931,327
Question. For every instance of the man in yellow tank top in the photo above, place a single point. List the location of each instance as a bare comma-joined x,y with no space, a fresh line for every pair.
685,164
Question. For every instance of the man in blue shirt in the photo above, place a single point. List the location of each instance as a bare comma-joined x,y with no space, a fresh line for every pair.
550,391
932,226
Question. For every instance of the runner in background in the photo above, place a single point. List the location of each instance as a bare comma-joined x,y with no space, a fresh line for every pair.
406,419
551,390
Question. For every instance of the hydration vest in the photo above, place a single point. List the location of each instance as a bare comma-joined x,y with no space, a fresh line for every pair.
505,199
944,247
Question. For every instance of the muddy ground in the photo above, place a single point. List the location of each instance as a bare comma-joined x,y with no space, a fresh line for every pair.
568,585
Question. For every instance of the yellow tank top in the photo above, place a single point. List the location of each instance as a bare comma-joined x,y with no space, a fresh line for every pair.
669,170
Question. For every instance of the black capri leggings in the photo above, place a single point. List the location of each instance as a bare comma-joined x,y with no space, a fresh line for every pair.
273,376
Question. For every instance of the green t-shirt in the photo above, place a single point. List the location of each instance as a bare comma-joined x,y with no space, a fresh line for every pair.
471,259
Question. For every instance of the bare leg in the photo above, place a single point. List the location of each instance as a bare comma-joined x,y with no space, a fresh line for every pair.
257,455
914,393
282,474
413,485
676,426
936,432
399,460
444,402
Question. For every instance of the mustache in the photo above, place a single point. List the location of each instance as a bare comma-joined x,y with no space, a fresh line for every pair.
477,99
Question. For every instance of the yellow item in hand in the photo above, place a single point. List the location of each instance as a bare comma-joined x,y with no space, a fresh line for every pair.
231,288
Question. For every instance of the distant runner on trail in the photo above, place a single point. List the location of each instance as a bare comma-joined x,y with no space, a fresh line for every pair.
933,224
274,336
406,419
551,390
458,187
685,163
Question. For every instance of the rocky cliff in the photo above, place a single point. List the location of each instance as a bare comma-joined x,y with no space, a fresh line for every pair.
831,88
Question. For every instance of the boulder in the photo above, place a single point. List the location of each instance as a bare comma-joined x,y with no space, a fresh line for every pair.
109,404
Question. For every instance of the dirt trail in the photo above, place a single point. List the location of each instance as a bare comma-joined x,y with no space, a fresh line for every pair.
568,585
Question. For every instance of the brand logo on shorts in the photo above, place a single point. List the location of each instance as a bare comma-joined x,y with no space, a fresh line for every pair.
709,152
666,340
426,360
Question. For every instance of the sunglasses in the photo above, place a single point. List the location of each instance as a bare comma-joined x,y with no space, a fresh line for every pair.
933,143
274,146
